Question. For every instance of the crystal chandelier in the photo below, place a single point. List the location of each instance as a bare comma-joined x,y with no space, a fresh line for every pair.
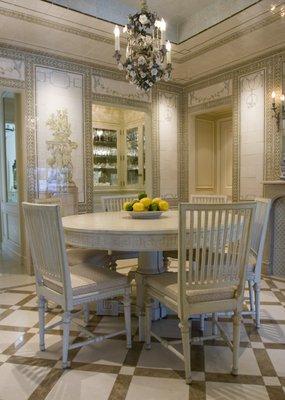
148,55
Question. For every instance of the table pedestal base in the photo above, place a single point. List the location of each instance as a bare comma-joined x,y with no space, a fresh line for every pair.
149,263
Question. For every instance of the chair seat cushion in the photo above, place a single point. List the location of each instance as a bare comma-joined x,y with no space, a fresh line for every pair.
167,284
87,279
80,256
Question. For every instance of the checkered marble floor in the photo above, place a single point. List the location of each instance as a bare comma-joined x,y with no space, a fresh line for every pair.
109,371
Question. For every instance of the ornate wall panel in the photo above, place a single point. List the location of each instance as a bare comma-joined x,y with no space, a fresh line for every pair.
251,131
210,93
60,129
168,148
117,88
12,69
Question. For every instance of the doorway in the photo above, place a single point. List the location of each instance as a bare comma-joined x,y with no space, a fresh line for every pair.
11,256
213,153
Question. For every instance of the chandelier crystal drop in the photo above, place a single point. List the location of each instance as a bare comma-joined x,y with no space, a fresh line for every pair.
148,54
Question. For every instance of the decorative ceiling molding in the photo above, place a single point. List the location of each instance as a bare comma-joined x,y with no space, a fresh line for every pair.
55,25
227,39
109,40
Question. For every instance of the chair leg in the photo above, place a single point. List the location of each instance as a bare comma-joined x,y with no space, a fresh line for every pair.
185,327
42,309
202,322
251,295
236,341
257,304
66,319
127,313
148,312
86,313
214,326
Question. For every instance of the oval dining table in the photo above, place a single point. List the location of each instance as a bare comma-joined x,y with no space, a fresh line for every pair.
118,231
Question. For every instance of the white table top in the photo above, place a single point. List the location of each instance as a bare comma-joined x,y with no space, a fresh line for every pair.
120,222
118,231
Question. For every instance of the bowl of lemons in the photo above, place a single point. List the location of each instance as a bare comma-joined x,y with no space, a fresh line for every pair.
146,208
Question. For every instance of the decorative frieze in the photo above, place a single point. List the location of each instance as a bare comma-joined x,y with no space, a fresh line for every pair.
112,87
12,69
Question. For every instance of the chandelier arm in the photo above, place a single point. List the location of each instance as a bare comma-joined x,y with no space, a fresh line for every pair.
144,6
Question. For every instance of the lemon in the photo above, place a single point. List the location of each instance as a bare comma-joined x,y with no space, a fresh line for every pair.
134,201
163,205
138,207
142,195
156,200
127,206
146,201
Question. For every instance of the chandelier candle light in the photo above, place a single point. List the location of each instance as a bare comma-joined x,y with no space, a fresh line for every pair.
148,54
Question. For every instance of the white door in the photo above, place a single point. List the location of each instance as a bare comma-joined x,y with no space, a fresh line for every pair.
9,190
205,156
226,156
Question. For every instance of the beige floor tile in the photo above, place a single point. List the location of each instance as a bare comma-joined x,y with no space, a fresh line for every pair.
10,299
160,357
125,370
278,360
52,352
228,327
21,318
273,312
109,352
266,295
7,338
271,381
112,324
157,388
17,382
272,333
233,391
75,385
219,359
167,328
11,280
279,284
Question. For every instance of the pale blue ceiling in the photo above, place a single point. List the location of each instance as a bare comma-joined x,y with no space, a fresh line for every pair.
185,18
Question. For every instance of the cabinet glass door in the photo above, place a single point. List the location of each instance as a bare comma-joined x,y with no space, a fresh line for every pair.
132,149
105,154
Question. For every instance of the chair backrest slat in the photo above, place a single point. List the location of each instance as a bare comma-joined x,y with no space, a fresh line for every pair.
259,230
115,203
208,199
46,239
219,237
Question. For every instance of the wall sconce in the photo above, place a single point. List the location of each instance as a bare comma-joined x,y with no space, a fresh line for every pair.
275,108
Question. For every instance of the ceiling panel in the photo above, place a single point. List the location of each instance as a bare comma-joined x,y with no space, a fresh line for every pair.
185,18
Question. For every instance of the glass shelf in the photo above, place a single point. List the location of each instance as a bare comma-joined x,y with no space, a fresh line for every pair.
105,157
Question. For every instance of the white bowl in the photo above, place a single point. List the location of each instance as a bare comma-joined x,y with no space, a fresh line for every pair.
145,214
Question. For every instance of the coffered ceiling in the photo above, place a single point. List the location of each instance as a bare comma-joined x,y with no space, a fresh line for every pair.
43,25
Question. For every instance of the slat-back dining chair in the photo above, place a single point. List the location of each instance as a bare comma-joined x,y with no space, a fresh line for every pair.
115,203
208,199
214,282
197,199
260,227
76,255
56,282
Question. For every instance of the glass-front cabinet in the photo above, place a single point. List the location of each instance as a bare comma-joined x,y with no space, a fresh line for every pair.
105,157
119,157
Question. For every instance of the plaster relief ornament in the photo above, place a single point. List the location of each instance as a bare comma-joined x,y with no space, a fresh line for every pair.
60,148
148,54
